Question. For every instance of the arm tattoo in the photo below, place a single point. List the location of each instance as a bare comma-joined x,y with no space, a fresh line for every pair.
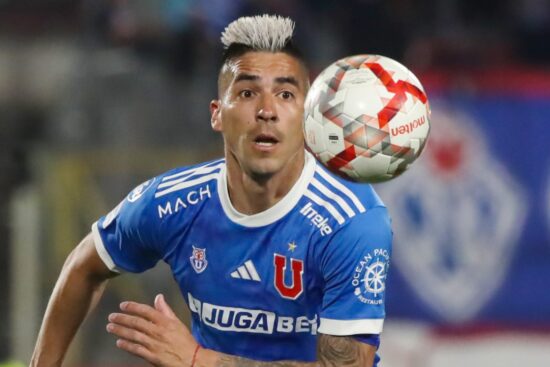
233,361
340,351
332,351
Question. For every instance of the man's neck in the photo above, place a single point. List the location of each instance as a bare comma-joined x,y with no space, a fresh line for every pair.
250,195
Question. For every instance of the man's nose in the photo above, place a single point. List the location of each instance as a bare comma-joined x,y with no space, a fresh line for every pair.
267,110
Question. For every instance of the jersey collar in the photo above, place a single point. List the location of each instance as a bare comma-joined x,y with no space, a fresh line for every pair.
277,211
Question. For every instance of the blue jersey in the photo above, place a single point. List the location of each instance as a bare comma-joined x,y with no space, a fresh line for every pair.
259,286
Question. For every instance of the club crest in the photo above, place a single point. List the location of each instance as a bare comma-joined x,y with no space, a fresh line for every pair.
457,217
198,259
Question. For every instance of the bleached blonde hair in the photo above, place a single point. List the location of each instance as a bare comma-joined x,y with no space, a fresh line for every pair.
260,33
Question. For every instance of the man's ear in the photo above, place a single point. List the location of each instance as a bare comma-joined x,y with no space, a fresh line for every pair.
215,118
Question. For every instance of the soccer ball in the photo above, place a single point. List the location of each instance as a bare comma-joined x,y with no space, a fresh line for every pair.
367,118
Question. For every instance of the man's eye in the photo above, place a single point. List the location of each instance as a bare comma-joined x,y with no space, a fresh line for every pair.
246,93
287,95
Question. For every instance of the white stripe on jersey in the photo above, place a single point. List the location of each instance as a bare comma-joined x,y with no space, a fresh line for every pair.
331,195
243,273
252,270
102,251
351,327
192,170
246,271
342,188
196,171
331,209
186,184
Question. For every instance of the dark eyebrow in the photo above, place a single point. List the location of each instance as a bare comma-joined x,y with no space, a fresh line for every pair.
279,80
287,79
249,77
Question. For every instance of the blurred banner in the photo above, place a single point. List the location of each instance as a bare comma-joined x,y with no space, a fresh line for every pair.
472,216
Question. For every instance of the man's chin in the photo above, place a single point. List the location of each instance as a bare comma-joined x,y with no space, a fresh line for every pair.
263,168
262,171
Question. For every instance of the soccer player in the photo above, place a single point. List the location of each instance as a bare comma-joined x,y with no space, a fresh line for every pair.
280,262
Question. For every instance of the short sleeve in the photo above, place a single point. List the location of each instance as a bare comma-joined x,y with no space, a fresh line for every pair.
126,239
354,265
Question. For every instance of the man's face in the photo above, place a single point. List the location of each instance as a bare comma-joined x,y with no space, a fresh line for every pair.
260,111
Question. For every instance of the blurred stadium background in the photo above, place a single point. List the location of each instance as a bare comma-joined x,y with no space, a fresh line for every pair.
98,95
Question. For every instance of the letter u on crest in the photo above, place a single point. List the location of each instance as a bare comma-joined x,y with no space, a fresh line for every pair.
297,270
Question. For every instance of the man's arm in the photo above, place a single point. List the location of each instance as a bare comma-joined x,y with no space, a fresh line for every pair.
159,337
332,351
344,351
77,291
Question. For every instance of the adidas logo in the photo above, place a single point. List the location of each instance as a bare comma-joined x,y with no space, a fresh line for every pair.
246,271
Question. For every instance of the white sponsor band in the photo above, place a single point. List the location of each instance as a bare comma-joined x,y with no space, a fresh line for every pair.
250,321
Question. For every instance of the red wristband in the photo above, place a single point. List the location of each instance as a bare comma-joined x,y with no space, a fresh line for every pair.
195,355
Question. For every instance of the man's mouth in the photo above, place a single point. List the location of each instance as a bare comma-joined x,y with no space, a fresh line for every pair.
266,140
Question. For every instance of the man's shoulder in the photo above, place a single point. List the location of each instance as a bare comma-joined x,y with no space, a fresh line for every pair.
175,190
182,172
185,178
332,203
360,197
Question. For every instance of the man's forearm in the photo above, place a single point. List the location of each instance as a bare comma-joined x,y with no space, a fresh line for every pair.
332,351
76,292
232,361
209,358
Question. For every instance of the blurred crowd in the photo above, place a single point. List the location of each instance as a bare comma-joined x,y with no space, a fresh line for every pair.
422,33
135,73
